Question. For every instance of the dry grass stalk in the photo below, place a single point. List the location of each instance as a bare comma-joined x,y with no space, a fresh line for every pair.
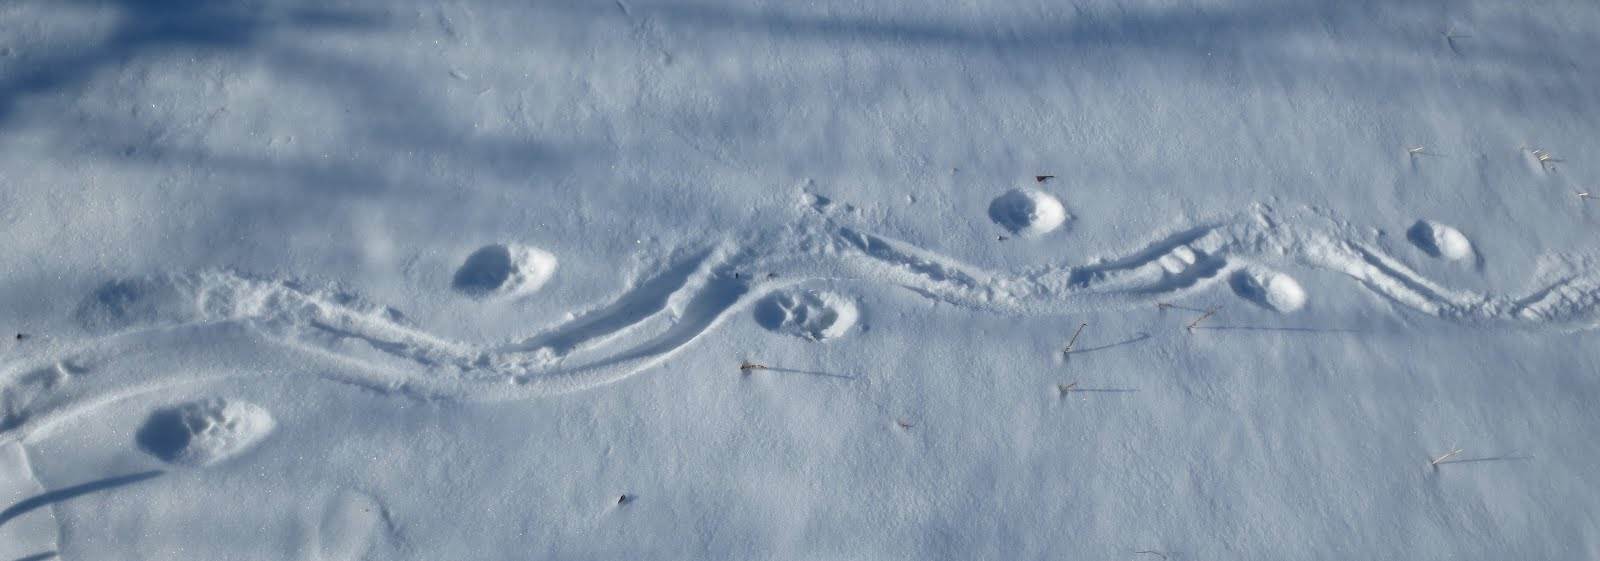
1196,323
1066,388
1074,339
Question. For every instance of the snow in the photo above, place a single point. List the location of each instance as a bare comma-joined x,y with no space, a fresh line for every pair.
809,314
1028,212
1439,240
205,432
421,280
504,271
1273,290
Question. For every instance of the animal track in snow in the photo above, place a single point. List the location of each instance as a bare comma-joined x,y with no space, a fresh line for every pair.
645,299
18,396
345,531
1268,289
504,270
1439,240
1177,261
807,314
24,531
1028,212
659,315
202,433
133,302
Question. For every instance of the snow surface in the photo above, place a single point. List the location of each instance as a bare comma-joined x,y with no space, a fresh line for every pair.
1028,212
313,246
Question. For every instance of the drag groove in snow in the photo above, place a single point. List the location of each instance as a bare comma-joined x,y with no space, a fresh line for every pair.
659,316
914,268
1175,262
202,433
704,309
808,314
644,300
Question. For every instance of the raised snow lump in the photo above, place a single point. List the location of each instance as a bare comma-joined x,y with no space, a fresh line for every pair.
1028,212
1439,240
202,433
504,270
1269,289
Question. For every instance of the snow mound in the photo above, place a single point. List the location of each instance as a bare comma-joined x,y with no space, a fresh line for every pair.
1028,212
504,270
205,432
812,315
1439,240
1269,289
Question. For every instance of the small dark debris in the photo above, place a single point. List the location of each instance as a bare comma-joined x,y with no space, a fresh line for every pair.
1043,178
904,424
624,499
1001,238
772,275
21,336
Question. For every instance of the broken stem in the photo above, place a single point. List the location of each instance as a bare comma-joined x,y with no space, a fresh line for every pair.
1074,339
1196,323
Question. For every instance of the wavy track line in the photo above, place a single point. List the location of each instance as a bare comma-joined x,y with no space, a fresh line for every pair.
666,313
